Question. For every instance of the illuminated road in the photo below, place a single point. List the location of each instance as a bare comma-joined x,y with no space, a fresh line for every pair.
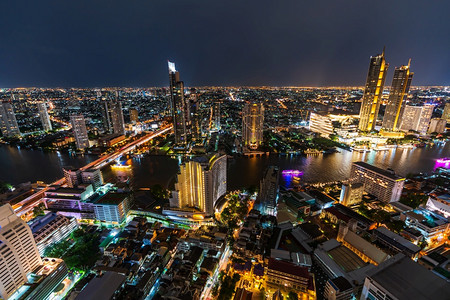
213,280
32,201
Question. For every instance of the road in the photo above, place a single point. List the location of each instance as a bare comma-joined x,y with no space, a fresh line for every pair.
32,201
213,279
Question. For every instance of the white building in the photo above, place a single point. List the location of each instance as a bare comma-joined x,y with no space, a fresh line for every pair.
200,183
50,229
437,125
383,184
351,193
18,252
8,122
43,115
416,118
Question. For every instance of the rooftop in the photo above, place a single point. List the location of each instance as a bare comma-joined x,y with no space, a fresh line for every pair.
383,172
112,198
397,238
406,279
102,287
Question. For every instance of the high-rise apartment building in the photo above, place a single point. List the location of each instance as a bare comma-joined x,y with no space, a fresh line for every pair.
351,194
8,122
43,115
437,125
180,110
75,177
373,92
18,252
79,131
397,97
134,116
320,123
446,112
252,125
113,117
417,118
200,183
383,184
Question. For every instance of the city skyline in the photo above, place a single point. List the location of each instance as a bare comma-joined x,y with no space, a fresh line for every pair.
251,43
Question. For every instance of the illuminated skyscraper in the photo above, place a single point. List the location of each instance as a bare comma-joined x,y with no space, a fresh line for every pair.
200,183
19,255
8,122
397,97
437,125
373,92
179,108
43,114
252,125
113,117
79,131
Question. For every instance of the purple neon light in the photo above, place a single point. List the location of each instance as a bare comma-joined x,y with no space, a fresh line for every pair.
292,172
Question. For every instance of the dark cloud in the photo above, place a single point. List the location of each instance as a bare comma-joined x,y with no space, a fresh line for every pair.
235,42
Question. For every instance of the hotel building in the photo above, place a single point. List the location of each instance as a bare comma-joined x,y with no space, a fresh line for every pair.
180,109
320,123
79,131
8,122
416,118
383,184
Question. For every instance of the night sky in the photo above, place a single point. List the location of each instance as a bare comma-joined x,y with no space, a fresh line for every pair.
88,43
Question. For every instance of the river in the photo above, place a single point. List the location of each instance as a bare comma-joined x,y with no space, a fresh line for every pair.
18,166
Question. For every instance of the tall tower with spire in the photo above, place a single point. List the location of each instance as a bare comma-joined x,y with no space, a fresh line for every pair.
397,97
179,109
373,92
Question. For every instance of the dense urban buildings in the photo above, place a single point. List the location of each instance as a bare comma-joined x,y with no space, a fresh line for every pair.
19,255
373,91
252,125
397,97
80,131
8,122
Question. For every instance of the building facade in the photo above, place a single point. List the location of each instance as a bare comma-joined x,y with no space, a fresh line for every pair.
8,122
43,115
320,123
351,194
268,191
437,125
113,117
416,118
18,252
112,208
200,183
79,131
397,97
446,112
373,92
252,125
383,184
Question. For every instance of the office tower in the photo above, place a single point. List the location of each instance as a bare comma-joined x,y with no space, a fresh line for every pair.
401,278
43,114
113,117
416,118
134,116
79,131
437,125
446,112
8,122
268,191
397,97
320,123
373,92
18,252
383,184
351,194
200,183
179,107
252,125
